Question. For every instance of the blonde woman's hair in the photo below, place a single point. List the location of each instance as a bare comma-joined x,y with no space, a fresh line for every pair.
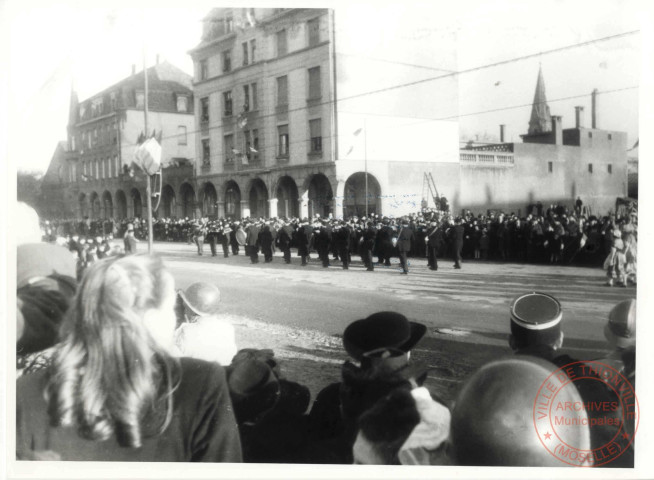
110,376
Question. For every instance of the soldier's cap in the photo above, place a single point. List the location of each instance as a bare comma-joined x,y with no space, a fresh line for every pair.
620,330
536,311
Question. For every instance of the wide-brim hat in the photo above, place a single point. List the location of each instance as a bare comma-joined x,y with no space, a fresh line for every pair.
620,330
381,330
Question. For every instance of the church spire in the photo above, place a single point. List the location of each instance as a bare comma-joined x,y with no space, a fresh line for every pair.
540,121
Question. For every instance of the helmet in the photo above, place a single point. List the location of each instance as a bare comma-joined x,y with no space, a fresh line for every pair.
492,419
202,298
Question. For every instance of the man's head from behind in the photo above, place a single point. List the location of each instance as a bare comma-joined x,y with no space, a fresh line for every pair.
492,419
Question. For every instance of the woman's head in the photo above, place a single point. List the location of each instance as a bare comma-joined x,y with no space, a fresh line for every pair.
113,365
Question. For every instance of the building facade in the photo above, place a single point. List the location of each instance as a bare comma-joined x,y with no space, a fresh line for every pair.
90,180
287,125
552,165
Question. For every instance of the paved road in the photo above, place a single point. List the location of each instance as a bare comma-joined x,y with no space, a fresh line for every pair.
301,311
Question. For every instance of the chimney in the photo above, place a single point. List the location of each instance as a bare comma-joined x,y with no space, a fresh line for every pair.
133,69
557,130
502,133
579,117
594,109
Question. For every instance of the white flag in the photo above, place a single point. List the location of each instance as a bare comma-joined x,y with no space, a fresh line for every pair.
148,156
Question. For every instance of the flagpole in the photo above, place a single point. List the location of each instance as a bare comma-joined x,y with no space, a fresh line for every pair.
148,188
365,159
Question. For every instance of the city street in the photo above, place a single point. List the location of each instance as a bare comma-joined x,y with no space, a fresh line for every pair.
301,312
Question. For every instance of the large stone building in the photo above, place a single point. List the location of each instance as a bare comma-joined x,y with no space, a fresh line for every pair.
288,122
86,176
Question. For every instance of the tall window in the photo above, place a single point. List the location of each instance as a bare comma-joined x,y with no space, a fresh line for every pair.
229,148
283,142
204,69
229,24
315,134
96,164
610,168
204,109
107,162
206,152
251,144
140,99
282,90
282,47
181,135
253,50
245,53
550,167
314,83
246,98
590,168
253,96
227,61
227,104
117,165
313,27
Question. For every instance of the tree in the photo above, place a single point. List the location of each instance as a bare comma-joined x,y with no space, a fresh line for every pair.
29,188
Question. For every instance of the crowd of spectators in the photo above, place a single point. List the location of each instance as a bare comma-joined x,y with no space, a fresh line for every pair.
120,366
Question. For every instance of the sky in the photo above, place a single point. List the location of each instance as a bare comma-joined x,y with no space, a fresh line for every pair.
91,45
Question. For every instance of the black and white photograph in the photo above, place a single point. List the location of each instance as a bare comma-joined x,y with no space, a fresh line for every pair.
327,240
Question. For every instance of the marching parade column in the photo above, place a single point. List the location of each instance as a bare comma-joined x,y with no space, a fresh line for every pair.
245,209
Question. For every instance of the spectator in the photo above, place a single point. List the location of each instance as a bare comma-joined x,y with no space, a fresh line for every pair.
202,333
492,419
381,343
620,333
113,378
269,409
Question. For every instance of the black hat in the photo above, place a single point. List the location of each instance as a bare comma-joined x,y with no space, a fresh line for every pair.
381,330
257,391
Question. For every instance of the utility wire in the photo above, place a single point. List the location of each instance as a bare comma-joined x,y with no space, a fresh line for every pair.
273,147
447,75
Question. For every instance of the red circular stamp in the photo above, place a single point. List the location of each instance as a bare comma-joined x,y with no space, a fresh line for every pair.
586,414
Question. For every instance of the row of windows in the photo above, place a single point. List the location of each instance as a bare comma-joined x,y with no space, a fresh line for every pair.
249,48
99,168
99,136
250,95
609,167
250,146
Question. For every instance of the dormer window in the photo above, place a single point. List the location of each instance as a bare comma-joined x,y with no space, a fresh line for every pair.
140,99
182,103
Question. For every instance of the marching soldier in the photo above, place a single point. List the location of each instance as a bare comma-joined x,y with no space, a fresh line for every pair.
212,236
225,237
304,235
342,243
434,244
284,238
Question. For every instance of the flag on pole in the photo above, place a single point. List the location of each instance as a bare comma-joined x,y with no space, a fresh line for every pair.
635,145
147,155
242,120
253,150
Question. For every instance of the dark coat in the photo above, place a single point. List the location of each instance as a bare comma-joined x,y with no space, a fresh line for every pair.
304,235
435,236
404,239
202,427
457,233
252,236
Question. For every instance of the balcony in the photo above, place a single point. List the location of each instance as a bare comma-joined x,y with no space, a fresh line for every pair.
468,157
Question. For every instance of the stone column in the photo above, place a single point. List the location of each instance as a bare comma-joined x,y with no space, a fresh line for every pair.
272,207
220,209
245,208
304,204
